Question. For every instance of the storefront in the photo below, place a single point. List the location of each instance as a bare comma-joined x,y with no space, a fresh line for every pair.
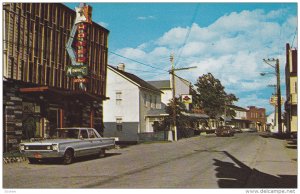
38,94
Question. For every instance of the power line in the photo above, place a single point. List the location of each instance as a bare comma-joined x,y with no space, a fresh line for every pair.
137,61
187,34
294,37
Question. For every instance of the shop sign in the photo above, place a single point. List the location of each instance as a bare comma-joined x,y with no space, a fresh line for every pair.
83,14
273,100
80,80
187,99
73,71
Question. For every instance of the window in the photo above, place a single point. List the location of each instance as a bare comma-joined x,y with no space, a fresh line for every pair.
153,103
145,100
118,97
83,134
92,133
119,124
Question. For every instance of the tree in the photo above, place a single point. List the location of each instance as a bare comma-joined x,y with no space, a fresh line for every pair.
211,97
183,122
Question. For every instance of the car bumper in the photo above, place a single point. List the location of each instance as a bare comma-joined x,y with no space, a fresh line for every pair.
42,154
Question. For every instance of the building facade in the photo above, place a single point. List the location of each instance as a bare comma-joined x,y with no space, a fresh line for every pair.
182,87
257,116
131,99
38,96
240,119
291,90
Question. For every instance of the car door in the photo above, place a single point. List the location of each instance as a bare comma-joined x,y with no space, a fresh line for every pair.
97,143
86,145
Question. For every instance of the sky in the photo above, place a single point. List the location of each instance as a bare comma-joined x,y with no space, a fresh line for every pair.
229,40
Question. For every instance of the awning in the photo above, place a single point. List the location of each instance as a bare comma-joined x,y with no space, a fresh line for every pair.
196,115
46,90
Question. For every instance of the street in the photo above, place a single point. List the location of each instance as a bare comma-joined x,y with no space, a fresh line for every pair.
246,160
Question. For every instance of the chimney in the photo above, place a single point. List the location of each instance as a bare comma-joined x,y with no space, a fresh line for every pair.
121,67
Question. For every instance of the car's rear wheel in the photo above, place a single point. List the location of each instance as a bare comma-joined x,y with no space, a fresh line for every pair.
102,153
68,157
33,160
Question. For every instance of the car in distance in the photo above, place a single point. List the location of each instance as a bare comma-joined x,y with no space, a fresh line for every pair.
224,131
237,130
67,144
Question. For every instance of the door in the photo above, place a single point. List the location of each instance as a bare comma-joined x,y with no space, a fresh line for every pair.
85,146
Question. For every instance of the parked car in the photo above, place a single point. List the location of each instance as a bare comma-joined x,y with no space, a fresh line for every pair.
250,130
224,131
237,130
67,144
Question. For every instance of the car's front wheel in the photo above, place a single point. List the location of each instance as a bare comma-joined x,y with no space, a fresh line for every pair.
68,157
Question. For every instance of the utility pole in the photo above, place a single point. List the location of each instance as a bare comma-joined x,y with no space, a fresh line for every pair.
277,73
172,71
173,97
278,97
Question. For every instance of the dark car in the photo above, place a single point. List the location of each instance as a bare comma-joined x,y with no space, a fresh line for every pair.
224,131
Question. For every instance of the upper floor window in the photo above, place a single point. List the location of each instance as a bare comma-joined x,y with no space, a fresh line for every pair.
118,97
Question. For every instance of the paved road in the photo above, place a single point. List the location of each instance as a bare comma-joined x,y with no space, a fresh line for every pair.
243,161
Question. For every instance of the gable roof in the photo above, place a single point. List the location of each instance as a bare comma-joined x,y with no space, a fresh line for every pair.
161,84
237,107
135,79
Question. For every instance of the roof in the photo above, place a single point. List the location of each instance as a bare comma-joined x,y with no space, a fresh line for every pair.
139,82
161,84
196,115
237,107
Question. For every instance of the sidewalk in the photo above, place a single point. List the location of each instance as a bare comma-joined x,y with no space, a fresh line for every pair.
276,165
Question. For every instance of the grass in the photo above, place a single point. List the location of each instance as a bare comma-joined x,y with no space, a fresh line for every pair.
12,154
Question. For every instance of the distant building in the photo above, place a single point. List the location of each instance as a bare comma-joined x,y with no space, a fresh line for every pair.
258,117
133,106
291,90
240,119
270,124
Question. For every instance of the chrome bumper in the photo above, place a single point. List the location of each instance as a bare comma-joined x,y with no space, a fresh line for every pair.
39,154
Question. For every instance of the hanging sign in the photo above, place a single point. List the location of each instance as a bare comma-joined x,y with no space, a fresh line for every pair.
187,99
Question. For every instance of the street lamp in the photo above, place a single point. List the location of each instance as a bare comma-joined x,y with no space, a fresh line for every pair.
277,74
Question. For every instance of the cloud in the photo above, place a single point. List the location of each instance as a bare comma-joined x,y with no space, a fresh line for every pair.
232,49
146,17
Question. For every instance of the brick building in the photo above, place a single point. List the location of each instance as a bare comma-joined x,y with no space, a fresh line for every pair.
38,96
258,117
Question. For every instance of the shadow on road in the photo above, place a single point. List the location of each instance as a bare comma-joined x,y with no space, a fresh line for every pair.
239,175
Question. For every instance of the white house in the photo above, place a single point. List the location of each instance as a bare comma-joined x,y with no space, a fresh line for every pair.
182,87
130,100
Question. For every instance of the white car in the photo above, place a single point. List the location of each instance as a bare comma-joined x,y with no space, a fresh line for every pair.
67,144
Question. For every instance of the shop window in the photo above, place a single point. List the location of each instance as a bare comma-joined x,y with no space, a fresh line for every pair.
119,124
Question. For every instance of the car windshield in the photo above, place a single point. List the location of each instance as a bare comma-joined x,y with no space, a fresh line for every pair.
65,134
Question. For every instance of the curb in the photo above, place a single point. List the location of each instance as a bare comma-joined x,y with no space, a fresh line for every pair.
9,160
